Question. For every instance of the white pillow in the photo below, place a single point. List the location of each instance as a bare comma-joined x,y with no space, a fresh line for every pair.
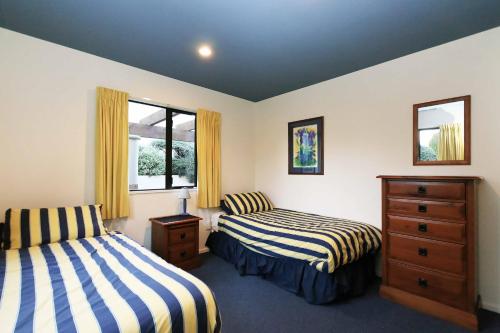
214,220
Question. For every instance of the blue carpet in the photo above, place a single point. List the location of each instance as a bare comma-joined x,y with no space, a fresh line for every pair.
249,304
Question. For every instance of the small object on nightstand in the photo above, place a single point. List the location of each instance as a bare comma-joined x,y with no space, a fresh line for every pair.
175,239
184,194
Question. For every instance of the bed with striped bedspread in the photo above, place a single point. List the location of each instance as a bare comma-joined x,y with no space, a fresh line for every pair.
106,283
325,242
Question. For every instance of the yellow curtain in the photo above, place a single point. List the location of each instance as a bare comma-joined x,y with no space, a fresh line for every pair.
208,138
111,179
451,142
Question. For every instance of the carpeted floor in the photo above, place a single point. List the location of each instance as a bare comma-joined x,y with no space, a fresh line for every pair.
250,304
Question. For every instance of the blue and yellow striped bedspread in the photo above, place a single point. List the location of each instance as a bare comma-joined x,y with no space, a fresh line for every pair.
101,284
325,242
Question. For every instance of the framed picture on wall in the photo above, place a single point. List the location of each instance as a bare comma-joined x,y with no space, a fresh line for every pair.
305,147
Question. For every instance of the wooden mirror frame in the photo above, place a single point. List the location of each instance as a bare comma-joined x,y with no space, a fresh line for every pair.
467,120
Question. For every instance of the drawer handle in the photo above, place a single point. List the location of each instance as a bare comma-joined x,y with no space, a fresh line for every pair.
422,190
422,282
183,235
422,251
422,227
183,254
422,208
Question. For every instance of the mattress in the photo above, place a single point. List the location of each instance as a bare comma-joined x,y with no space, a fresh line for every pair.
106,284
326,243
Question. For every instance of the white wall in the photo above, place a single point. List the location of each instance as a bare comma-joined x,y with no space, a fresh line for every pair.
47,117
368,132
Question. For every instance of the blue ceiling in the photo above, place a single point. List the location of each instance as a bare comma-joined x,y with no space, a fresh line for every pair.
262,48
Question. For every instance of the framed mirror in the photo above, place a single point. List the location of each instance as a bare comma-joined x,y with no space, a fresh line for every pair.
441,132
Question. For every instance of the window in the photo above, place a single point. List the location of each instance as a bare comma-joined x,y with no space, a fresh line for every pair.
153,131
429,138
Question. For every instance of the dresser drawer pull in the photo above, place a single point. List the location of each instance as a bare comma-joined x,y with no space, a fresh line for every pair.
422,190
422,282
422,208
183,254
422,251
422,227
183,235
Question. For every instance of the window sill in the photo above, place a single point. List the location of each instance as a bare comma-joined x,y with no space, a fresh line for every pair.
174,190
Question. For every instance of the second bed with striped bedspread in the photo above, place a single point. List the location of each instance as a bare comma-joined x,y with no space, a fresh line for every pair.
325,242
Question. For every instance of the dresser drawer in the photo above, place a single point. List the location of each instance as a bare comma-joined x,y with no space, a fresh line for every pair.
454,232
440,287
431,190
448,257
181,252
427,209
181,235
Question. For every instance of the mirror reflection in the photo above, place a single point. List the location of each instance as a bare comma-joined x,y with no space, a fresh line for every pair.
441,132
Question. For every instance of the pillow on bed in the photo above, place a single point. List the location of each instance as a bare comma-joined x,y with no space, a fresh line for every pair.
31,227
225,207
245,203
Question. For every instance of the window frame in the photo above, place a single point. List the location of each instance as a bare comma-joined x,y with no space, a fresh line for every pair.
168,147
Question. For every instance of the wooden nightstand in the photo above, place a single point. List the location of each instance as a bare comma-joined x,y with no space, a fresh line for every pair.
175,239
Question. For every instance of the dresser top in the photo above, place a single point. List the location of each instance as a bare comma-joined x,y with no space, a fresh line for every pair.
432,177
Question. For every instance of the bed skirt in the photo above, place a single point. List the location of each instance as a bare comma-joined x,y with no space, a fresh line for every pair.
295,275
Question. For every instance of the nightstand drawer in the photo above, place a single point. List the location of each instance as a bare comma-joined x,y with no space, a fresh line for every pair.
181,252
181,235
448,257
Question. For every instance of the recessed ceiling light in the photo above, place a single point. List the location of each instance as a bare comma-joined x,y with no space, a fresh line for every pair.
205,51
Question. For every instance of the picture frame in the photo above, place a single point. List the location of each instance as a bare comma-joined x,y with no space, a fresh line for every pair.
306,147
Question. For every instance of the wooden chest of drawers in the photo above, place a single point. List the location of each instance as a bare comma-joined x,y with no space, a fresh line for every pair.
175,239
429,245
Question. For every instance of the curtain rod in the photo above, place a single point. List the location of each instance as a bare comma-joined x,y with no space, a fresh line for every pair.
150,101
